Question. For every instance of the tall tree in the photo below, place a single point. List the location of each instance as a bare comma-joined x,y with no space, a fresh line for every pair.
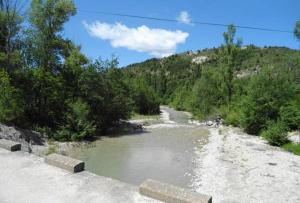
230,50
47,18
10,27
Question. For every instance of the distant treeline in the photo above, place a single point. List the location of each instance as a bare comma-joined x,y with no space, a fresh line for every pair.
257,89
48,85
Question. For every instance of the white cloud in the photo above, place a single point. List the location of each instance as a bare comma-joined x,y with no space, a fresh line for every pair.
156,42
184,17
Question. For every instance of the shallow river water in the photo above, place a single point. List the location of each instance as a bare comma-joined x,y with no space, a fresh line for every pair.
164,151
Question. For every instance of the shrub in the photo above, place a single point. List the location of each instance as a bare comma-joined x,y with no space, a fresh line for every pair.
77,126
276,133
231,114
290,115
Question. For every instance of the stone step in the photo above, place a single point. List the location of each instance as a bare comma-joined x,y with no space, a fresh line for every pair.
171,194
64,162
10,145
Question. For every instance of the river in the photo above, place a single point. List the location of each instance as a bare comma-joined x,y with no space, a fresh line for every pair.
164,150
223,162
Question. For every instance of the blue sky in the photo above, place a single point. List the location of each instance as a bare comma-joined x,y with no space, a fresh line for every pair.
134,40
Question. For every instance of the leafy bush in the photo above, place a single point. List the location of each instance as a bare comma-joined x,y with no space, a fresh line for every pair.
290,115
276,133
266,93
146,101
10,101
77,126
231,115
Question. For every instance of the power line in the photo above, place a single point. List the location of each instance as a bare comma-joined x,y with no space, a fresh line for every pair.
192,22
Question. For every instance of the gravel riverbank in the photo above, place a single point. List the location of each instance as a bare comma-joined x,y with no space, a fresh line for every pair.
236,167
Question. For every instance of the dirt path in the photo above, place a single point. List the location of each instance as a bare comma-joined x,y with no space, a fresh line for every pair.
236,167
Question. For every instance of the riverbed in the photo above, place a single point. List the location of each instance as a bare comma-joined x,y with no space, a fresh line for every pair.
164,150
223,162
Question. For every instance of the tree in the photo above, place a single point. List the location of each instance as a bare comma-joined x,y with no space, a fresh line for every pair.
145,99
230,51
267,92
10,29
47,18
76,125
11,106
103,87
43,94
71,72
208,93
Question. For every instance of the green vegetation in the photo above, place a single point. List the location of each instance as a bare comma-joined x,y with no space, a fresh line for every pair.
275,133
47,84
144,117
255,88
291,147
10,107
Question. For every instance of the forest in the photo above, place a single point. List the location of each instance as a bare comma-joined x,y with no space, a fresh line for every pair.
48,85
257,89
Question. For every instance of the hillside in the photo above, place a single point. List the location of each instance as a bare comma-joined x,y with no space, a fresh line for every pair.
179,71
255,88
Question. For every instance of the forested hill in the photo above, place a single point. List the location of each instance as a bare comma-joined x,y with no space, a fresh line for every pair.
248,86
171,75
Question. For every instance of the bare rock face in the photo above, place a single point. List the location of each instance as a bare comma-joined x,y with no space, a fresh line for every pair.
25,137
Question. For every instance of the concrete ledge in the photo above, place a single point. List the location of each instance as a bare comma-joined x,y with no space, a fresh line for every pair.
10,145
64,162
171,194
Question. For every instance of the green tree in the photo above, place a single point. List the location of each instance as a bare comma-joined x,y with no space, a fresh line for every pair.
10,38
103,87
11,106
42,91
208,93
145,99
76,125
229,54
71,72
46,44
267,92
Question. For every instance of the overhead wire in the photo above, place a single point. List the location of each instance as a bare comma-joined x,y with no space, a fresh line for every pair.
191,22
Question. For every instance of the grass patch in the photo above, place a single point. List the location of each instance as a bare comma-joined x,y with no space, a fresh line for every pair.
136,116
52,148
292,147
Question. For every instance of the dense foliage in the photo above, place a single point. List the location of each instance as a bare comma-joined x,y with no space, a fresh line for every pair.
251,87
47,84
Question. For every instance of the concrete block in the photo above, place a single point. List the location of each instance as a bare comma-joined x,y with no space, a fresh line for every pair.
64,162
171,194
10,145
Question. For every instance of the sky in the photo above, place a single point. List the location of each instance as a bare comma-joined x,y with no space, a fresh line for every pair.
135,40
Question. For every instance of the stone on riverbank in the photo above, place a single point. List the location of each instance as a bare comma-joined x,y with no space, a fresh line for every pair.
169,193
64,162
10,145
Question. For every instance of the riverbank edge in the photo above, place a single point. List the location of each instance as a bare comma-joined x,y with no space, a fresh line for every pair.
36,143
